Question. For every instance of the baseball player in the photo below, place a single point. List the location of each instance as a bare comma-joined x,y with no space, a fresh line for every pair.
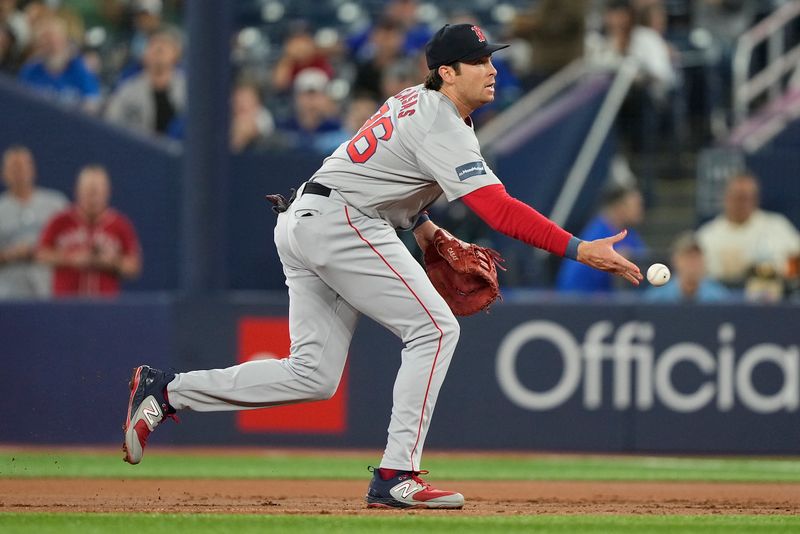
342,258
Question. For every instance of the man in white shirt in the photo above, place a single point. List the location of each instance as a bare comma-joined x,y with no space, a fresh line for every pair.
744,236
24,210
624,38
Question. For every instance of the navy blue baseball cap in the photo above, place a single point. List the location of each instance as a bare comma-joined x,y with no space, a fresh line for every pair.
458,42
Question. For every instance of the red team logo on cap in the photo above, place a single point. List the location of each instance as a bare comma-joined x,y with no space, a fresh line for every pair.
479,33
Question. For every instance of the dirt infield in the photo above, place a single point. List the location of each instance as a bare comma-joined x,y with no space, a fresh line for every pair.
345,497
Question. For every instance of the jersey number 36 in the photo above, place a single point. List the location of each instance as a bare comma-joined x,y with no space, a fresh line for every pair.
365,142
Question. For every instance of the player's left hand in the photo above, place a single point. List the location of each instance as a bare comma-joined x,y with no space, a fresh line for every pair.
601,255
424,234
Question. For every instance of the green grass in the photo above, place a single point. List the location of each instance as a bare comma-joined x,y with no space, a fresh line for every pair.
409,522
174,464
478,467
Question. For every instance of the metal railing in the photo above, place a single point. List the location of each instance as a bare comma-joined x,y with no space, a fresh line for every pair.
602,124
499,126
748,87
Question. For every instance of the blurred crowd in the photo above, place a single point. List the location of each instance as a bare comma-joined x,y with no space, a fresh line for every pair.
51,247
309,73
745,253
308,81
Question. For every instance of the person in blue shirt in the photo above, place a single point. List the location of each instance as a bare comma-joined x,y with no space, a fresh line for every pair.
359,110
314,110
59,72
415,32
621,208
689,282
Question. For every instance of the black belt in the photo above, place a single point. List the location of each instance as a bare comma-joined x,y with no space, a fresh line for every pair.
317,189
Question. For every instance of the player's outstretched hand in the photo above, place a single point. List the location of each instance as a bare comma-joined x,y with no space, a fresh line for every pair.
600,254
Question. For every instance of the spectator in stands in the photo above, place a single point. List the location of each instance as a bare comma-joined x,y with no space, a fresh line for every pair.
76,29
622,207
91,246
251,122
653,14
404,12
146,19
300,52
386,40
57,70
397,76
359,111
16,23
689,282
155,98
24,210
744,237
721,22
646,104
314,111
625,38
555,31
36,11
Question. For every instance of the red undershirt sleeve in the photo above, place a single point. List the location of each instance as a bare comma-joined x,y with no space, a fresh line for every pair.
514,218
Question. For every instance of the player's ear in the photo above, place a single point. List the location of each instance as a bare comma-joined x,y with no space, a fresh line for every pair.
447,73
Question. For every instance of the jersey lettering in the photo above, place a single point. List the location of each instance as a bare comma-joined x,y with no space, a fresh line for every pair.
405,93
409,99
365,142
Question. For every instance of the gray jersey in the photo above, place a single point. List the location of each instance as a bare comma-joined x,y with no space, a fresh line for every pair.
414,148
21,224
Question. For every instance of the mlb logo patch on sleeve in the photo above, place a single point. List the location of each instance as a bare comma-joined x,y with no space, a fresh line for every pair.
469,170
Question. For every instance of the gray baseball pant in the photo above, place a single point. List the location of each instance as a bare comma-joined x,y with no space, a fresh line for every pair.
339,263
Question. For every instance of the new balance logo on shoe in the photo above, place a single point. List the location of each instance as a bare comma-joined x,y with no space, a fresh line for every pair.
407,489
152,413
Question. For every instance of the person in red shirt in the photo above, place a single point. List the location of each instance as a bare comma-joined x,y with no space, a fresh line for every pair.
91,246
300,52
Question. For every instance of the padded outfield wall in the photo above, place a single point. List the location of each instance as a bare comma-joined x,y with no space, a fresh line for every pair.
556,376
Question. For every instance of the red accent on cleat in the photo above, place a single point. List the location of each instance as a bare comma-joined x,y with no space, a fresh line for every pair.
430,493
386,474
142,431
133,384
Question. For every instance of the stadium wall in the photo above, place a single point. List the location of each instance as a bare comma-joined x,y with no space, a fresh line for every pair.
594,376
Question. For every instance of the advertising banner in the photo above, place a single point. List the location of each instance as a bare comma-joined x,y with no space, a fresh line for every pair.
553,376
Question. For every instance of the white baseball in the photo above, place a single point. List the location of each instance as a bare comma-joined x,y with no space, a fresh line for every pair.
658,274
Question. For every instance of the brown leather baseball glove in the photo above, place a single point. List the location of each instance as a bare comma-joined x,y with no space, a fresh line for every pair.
464,274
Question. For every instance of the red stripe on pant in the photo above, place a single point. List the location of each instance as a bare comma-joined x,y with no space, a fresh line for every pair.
441,334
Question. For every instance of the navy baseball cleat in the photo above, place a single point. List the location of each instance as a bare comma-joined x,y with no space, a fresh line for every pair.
148,406
404,489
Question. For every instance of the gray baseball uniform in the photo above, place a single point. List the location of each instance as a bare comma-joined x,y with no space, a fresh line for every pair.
341,257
